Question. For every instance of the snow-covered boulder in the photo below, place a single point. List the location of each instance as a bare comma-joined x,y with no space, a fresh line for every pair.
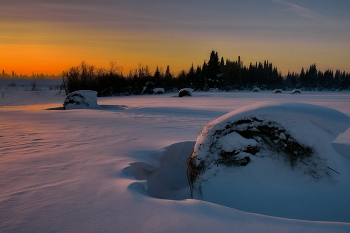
274,159
80,100
158,90
185,92
296,91
256,89
148,88
277,91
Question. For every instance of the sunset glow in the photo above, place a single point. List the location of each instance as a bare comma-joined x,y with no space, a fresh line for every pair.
40,37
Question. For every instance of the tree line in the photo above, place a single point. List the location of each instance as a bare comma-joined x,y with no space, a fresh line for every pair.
219,74
14,75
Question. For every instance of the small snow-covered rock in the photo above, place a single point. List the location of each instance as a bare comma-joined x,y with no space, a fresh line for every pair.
158,90
148,88
185,92
296,91
81,99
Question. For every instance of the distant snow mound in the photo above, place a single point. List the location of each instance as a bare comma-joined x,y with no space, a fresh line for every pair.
296,91
269,149
148,88
81,100
185,92
158,91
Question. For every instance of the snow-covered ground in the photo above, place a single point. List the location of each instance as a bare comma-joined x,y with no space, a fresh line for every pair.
123,168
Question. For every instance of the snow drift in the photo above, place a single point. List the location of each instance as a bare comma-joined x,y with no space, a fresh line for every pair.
274,159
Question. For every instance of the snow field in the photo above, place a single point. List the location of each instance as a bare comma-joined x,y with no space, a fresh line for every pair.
114,170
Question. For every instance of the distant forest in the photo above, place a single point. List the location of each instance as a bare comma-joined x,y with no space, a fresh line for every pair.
218,74
13,75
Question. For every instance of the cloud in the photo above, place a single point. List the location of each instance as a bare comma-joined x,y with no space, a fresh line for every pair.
298,10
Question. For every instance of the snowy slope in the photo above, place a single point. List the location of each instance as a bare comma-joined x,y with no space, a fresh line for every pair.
87,170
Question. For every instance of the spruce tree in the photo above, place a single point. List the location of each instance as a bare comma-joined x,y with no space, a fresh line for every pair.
303,78
191,77
168,79
214,71
157,78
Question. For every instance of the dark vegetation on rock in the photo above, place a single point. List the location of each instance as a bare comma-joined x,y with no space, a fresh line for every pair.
272,139
75,99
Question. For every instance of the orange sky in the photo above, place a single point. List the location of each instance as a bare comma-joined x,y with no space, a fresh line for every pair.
291,36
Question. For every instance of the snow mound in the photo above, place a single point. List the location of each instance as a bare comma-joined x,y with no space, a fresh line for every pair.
274,159
185,92
296,91
158,90
166,179
81,100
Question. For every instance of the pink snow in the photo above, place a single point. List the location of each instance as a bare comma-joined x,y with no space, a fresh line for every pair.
120,168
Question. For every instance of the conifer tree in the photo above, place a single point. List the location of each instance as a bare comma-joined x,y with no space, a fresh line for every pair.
311,77
157,78
214,71
199,81
168,79
167,72
302,77
191,76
